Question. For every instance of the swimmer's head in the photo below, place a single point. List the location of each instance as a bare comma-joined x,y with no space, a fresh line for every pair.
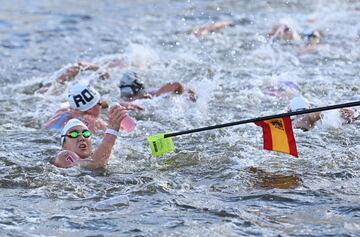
130,85
83,98
298,103
313,38
70,124
284,31
76,137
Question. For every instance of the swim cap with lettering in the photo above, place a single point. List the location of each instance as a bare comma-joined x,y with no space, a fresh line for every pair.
83,97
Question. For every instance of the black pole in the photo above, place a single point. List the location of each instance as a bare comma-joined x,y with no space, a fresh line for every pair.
253,120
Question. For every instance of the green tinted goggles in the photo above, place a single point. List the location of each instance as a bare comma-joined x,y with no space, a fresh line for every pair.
75,134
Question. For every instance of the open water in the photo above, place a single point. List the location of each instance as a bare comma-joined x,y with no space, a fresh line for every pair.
216,183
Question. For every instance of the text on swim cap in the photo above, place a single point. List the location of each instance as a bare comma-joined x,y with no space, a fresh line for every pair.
84,97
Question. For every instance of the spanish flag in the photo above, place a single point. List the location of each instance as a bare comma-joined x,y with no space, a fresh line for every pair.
278,135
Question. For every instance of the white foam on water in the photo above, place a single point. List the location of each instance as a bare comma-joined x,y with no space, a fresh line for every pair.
227,69
141,56
331,119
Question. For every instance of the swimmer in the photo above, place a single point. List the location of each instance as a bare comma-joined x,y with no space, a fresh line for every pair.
308,121
312,42
129,85
85,104
70,73
132,88
284,31
77,147
208,29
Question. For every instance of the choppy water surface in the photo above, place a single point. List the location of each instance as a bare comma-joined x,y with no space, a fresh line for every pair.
218,183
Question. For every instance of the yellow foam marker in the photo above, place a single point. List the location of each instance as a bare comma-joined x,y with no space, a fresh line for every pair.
160,145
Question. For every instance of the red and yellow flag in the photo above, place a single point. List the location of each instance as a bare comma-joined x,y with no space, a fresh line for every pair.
278,135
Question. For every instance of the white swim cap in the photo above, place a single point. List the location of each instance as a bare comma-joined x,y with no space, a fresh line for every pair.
299,103
70,124
83,97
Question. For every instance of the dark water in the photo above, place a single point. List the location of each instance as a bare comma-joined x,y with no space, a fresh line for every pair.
218,183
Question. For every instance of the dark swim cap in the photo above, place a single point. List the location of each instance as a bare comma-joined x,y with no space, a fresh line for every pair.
131,85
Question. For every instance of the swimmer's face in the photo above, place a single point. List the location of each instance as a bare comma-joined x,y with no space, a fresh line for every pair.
80,145
314,38
285,32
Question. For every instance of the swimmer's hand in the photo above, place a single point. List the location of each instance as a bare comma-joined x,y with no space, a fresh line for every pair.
182,90
116,114
348,114
192,95
105,103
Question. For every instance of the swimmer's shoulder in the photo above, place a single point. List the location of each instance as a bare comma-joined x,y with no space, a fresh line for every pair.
60,118
66,159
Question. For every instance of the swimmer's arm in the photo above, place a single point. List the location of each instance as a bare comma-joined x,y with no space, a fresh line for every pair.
102,154
141,96
86,66
131,106
273,30
220,25
74,70
54,119
117,63
175,88
204,30
349,115
67,159
308,121
69,74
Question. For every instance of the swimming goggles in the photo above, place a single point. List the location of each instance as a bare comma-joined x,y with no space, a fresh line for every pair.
313,35
136,86
74,134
